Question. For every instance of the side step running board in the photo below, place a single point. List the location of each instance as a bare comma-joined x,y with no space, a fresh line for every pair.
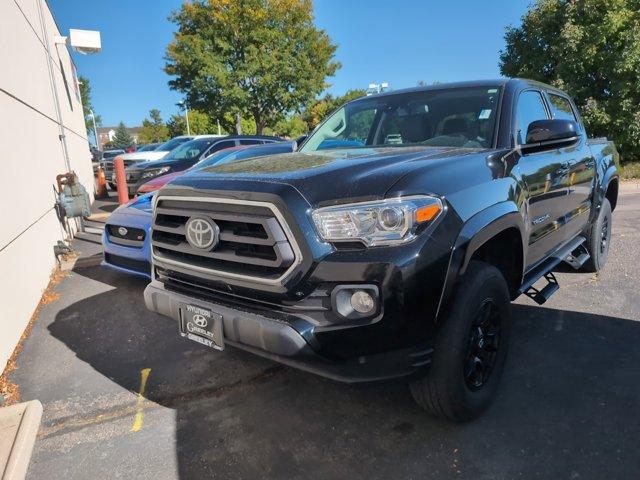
545,269
578,257
541,296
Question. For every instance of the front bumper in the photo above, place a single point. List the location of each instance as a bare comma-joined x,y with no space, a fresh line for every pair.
291,340
127,259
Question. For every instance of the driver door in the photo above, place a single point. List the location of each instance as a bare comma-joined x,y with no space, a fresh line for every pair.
544,177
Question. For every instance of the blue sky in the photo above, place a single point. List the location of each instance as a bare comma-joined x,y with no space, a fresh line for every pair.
399,41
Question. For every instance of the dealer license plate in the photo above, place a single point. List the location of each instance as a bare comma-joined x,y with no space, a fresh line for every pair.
201,325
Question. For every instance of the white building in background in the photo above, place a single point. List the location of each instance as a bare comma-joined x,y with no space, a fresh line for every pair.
32,154
107,134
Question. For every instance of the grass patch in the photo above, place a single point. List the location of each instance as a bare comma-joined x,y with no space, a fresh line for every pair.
630,170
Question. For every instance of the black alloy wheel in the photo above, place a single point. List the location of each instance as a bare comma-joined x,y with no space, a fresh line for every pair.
484,342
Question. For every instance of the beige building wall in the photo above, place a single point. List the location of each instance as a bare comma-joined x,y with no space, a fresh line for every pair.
31,156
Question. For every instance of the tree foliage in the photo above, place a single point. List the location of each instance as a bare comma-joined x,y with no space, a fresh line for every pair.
199,124
87,105
291,127
318,110
122,137
590,49
260,59
153,129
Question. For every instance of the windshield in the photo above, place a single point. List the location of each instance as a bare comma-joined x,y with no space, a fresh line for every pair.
112,153
192,149
173,143
456,117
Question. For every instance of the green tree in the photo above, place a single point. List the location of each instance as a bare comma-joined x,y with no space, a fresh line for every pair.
153,129
590,49
291,127
199,124
122,138
259,59
87,105
318,110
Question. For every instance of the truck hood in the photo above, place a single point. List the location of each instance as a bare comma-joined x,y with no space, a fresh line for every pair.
327,176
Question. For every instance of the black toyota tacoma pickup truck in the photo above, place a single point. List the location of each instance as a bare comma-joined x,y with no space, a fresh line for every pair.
392,243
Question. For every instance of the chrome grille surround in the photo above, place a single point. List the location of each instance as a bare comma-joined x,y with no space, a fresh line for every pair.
271,231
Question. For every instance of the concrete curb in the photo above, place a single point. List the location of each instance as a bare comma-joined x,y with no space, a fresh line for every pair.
19,425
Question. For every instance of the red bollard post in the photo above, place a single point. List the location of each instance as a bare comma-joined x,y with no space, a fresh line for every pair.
121,180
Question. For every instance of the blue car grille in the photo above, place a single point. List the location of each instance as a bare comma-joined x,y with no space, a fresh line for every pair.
126,236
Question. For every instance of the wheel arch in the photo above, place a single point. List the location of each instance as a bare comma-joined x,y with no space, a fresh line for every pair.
611,192
487,236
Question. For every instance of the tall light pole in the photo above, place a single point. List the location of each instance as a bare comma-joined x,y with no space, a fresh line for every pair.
183,104
95,130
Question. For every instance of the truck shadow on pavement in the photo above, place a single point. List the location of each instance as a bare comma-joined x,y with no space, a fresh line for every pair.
568,405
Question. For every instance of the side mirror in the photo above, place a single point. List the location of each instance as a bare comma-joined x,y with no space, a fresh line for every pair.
543,134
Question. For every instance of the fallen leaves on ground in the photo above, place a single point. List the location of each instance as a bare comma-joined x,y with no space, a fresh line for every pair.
9,391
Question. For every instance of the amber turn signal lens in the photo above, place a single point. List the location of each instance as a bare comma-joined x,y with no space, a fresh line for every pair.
427,213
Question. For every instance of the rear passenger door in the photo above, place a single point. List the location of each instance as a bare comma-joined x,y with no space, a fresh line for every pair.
543,175
580,166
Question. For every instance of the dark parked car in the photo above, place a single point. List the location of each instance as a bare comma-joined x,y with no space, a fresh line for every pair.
186,156
396,250
105,158
149,147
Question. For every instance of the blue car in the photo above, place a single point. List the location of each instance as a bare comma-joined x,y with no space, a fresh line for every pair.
126,239
126,236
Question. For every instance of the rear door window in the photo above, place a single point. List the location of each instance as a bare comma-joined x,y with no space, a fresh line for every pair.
561,107
222,145
250,141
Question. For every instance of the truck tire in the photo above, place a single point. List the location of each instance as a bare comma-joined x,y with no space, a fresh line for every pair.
598,239
470,349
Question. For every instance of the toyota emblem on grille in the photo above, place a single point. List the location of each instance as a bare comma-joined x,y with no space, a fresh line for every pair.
202,233
123,231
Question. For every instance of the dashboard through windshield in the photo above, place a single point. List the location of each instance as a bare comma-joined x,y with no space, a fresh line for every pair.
457,117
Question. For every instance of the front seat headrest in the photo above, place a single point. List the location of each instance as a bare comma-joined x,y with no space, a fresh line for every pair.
455,125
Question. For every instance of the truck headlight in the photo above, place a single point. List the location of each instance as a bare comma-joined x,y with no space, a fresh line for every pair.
155,172
385,222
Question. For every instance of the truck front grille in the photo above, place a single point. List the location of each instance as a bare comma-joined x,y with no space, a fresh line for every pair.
254,240
108,168
134,175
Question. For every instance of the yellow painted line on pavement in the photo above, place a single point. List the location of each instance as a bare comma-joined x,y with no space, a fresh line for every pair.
144,376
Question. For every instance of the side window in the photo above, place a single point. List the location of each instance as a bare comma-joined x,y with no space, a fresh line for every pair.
530,108
561,108
221,145
250,142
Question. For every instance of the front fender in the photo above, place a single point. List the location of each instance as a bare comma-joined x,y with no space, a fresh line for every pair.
476,232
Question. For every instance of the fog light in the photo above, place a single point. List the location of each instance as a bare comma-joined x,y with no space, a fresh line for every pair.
362,302
355,301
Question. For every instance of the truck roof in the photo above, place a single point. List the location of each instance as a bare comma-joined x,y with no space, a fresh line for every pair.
500,82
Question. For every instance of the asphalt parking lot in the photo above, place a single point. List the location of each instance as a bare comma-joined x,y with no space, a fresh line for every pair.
125,397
